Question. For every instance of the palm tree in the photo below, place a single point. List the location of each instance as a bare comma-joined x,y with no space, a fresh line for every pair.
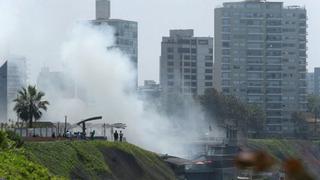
29,104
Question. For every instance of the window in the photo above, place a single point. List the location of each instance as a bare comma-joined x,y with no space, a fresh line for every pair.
226,59
170,70
203,42
254,52
226,37
208,71
183,41
193,70
274,53
186,57
194,50
208,77
208,84
170,50
225,44
225,67
274,45
183,50
208,57
186,71
170,76
187,76
170,63
274,30
170,56
225,21
170,83
225,75
226,83
193,57
274,22
273,37
225,29
209,64
193,64
186,63
226,52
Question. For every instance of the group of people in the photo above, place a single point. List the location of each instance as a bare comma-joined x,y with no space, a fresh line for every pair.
118,136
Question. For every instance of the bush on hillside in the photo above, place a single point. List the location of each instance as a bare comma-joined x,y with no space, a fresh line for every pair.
16,138
5,143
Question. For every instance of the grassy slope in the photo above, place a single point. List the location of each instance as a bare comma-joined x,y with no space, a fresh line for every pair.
14,165
98,160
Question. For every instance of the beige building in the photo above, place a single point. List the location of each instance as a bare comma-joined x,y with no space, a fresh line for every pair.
186,63
260,57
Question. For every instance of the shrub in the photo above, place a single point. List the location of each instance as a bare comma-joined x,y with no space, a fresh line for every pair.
5,143
16,138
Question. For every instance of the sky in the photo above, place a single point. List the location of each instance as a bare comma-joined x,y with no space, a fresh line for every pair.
155,18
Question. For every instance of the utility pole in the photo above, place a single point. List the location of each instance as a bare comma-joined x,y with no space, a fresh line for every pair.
104,130
65,124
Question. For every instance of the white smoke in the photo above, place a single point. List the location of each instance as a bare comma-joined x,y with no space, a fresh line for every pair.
105,73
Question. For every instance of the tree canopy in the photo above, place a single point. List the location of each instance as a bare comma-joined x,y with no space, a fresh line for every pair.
219,108
29,104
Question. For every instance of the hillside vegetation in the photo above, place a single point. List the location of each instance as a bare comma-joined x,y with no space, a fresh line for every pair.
98,160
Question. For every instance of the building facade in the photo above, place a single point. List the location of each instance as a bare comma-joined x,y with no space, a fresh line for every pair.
186,63
13,76
125,33
260,57
310,83
316,81
149,90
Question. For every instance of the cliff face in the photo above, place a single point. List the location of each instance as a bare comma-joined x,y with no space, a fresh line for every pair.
307,151
98,160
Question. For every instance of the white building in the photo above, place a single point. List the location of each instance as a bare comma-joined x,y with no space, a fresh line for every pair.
125,32
186,63
13,76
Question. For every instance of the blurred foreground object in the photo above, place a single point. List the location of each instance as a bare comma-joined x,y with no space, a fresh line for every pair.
295,170
258,161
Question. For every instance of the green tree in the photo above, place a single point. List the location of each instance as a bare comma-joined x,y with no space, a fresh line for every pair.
313,106
29,104
229,108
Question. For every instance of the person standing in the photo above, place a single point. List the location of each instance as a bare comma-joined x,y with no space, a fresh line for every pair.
116,135
121,136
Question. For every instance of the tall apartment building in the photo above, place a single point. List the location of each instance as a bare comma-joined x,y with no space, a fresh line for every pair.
310,83
186,63
316,81
13,77
260,57
125,32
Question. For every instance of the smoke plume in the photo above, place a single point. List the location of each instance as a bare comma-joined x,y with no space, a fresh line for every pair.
85,53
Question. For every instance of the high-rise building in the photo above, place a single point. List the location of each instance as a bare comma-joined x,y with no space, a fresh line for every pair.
310,83
13,77
260,57
317,81
125,32
186,63
149,90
